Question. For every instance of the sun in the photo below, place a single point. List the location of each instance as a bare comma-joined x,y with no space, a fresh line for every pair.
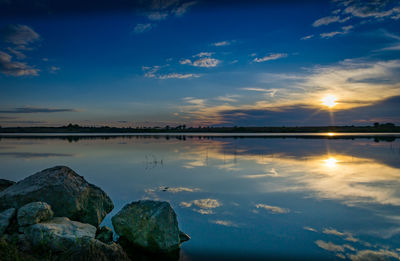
329,101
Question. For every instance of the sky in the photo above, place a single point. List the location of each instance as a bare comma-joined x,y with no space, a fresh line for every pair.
199,63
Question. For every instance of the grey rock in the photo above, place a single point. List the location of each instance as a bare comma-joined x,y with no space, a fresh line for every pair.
4,183
151,225
5,219
95,250
33,213
69,195
183,237
59,234
105,234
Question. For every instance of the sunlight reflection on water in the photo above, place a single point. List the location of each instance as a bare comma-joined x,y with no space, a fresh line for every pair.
326,198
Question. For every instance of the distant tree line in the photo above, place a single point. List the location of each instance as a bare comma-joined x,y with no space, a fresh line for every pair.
75,128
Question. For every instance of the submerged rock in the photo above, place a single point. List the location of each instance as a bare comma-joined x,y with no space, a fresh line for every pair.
151,225
5,184
5,219
105,234
33,213
69,195
59,234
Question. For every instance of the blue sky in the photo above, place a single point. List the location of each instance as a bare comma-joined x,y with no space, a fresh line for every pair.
170,62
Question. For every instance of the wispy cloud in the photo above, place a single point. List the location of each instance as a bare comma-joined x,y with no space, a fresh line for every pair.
178,76
273,209
203,54
19,34
326,20
153,72
141,28
204,60
370,9
36,110
329,20
222,43
345,30
13,68
225,223
157,16
307,37
270,57
183,8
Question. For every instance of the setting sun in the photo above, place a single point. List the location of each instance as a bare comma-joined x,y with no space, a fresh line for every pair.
329,101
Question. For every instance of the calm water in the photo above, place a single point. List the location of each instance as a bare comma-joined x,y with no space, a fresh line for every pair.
243,196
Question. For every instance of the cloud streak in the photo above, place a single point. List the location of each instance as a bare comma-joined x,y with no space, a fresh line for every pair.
36,110
270,57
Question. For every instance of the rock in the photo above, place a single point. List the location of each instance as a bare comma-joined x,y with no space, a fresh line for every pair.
183,237
151,225
5,219
69,195
105,234
95,250
5,184
33,213
59,234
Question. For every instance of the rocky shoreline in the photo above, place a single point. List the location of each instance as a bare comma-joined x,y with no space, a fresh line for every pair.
55,214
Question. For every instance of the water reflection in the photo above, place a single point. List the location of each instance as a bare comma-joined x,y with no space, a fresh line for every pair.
318,198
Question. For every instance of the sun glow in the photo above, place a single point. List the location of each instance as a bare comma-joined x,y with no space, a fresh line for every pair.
329,101
330,162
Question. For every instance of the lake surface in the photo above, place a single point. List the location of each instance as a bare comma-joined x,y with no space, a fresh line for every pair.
245,196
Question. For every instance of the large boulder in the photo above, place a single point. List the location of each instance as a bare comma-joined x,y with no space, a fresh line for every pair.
33,213
59,234
5,219
150,225
105,234
5,184
95,250
69,195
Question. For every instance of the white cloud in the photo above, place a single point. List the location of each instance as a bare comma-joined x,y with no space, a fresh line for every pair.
273,209
271,92
185,61
368,9
10,67
203,54
228,98
141,28
310,229
206,62
178,76
207,203
329,20
382,254
326,20
222,43
307,37
329,246
225,223
182,9
345,30
19,34
273,56
153,72
157,16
